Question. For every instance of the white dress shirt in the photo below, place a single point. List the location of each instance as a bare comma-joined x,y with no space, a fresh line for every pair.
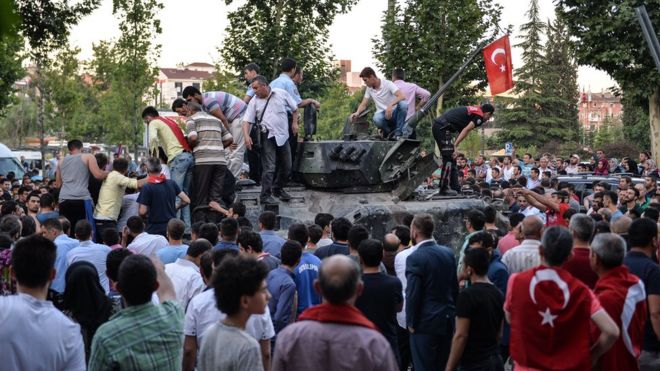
202,313
147,244
400,269
186,279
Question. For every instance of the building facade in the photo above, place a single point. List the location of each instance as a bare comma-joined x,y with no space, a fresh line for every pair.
347,76
172,81
595,109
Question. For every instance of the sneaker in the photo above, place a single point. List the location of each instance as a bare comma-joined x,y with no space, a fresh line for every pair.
282,195
268,200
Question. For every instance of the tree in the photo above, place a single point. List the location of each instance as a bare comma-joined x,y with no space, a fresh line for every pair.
558,87
635,120
125,71
265,31
70,101
19,122
46,25
521,122
609,38
338,104
430,39
10,69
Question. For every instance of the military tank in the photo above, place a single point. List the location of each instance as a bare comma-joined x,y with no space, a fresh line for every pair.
370,181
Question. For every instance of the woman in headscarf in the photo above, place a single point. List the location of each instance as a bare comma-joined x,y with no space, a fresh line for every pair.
85,300
630,166
650,168
614,166
602,168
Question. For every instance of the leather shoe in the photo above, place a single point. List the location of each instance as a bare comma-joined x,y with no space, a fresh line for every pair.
282,195
268,200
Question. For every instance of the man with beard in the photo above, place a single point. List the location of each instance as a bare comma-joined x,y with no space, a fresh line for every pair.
572,167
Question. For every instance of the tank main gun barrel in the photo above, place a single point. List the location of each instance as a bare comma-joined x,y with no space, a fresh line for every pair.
412,122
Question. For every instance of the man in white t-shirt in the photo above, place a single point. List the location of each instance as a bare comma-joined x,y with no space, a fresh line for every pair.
202,312
391,105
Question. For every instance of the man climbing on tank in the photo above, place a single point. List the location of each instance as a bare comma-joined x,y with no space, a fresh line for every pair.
459,120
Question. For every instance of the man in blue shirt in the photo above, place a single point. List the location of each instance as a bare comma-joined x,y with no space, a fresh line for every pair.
286,83
340,228
228,233
307,270
271,241
175,249
52,230
643,239
282,288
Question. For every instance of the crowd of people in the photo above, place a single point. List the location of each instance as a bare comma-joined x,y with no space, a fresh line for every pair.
97,271
550,282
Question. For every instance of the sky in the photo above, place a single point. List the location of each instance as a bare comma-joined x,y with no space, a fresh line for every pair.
350,34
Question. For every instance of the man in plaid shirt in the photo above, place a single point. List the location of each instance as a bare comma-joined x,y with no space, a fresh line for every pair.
143,336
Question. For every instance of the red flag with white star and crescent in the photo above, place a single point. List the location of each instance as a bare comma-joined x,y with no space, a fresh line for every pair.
497,57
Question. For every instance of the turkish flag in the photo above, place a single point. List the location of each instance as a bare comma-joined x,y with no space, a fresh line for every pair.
550,313
497,56
623,297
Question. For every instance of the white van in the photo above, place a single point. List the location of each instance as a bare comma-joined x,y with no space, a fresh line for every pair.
8,162
33,158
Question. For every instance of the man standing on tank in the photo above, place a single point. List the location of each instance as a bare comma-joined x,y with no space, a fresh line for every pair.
460,120
268,110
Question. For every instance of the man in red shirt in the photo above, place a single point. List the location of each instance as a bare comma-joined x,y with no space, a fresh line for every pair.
554,207
623,297
549,312
582,228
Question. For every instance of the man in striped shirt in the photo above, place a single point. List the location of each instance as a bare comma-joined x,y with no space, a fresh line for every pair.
229,109
209,138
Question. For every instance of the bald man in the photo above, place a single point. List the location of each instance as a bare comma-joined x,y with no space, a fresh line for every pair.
526,255
391,245
332,325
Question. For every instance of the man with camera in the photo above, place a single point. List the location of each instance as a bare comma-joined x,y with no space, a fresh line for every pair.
268,110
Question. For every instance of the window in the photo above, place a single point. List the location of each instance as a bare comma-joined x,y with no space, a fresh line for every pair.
178,86
196,85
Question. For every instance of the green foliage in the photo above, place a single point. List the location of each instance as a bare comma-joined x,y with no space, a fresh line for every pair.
338,104
635,120
19,122
46,25
471,146
546,108
69,100
265,31
609,38
224,80
125,71
430,39
611,131
10,69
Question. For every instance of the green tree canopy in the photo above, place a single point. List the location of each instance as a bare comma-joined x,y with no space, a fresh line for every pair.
609,38
265,31
430,39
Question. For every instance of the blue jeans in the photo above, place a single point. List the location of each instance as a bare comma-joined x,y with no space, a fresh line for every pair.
395,123
181,172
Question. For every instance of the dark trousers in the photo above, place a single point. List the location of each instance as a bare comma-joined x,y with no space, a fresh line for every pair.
293,140
207,184
403,340
492,363
271,154
158,228
254,157
442,134
73,210
430,352
102,225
